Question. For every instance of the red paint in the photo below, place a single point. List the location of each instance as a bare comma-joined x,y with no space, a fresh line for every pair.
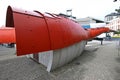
93,32
37,32
7,35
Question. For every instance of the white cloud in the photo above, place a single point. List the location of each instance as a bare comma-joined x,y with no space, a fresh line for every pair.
81,8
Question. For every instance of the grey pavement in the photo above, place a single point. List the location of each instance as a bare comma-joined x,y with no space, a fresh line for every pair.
97,62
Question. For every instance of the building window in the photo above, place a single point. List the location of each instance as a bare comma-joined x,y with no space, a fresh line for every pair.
118,26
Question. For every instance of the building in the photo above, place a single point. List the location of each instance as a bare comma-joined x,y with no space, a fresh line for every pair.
111,16
68,16
114,25
88,20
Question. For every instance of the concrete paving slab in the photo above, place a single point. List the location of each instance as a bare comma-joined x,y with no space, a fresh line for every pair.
97,62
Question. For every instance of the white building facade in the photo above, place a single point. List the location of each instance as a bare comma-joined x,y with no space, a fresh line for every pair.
114,24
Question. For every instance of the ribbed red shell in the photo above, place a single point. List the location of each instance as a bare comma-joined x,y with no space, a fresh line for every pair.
37,32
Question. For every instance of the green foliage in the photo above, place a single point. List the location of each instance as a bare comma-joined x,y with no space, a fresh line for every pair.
117,10
117,32
115,0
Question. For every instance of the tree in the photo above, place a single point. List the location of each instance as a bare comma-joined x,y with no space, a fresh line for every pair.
117,10
114,0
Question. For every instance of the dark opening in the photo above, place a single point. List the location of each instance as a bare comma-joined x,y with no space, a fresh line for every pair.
9,17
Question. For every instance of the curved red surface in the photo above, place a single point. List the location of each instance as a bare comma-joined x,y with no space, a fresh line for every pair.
93,32
37,32
7,35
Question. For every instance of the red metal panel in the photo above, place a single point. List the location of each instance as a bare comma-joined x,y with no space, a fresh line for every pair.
7,35
31,34
93,32
36,32
64,32
67,38
55,32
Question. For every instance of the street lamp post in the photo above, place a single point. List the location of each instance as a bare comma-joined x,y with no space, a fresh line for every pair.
69,12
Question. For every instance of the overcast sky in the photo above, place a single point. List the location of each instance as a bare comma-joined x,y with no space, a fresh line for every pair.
80,8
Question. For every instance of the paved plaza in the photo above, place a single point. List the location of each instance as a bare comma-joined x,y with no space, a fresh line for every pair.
97,62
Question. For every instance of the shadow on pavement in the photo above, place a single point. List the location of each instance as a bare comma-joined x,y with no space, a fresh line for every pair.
76,66
118,59
117,76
